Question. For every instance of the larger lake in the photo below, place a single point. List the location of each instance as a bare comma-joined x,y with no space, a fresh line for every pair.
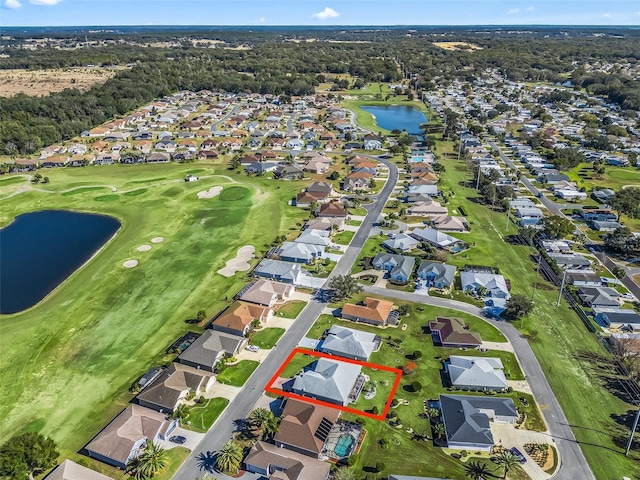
39,250
402,117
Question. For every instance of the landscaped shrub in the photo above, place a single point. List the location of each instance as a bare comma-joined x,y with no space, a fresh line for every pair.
416,386
394,402
375,410
409,368
380,466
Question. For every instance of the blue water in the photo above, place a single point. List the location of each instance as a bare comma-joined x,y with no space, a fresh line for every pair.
39,250
402,117
343,447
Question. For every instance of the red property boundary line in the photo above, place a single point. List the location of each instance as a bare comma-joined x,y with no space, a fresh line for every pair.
276,391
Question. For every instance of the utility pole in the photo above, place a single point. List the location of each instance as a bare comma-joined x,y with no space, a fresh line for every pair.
564,277
633,431
478,179
459,147
535,280
506,226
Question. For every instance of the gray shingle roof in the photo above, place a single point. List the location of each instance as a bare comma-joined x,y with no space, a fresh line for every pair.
477,372
349,342
329,379
464,422
209,346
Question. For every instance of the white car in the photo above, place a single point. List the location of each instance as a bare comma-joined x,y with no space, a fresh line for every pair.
253,348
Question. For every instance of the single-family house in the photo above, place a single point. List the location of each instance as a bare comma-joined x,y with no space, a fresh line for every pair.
357,181
436,238
173,385
70,470
126,436
598,297
209,348
330,381
371,310
288,172
447,223
467,419
300,252
436,274
625,319
158,157
604,225
426,208
584,279
476,373
349,343
494,284
321,188
401,242
266,292
399,267
305,427
326,224
452,332
237,318
276,463
331,210
571,261
315,237
529,212
285,272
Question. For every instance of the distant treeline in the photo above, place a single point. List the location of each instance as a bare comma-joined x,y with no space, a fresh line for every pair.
280,67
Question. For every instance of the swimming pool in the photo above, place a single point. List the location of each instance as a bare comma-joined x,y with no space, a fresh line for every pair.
343,447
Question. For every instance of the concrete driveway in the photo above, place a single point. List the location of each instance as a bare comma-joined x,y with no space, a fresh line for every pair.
510,436
193,439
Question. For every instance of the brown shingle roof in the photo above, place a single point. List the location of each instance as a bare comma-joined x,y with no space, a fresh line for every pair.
292,465
373,309
300,421
239,315
452,331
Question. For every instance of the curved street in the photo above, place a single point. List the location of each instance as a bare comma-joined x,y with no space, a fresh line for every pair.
573,463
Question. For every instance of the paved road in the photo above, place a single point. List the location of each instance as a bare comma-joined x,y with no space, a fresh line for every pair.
573,465
238,408
554,208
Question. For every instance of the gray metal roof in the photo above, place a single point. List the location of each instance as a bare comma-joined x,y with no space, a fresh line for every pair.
478,372
329,379
349,342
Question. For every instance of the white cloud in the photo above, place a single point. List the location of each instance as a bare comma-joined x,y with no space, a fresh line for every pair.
530,9
13,4
606,15
45,2
513,10
262,20
326,14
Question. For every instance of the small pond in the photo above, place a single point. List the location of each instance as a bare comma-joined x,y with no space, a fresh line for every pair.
39,250
402,117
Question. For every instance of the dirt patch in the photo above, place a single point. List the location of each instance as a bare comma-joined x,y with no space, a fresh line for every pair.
636,279
144,248
212,192
130,264
42,82
157,240
240,263
453,46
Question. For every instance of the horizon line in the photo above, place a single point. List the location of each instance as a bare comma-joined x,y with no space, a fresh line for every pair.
400,25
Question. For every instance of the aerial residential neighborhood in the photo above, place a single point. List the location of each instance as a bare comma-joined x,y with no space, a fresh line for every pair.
402,254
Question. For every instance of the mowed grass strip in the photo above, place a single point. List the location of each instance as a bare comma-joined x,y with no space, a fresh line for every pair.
236,375
291,309
577,366
201,417
267,337
68,362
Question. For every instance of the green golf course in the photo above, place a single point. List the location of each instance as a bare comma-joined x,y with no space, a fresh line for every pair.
68,361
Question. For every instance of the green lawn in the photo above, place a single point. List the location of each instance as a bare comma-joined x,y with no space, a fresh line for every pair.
370,248
267,337
343,238
202,417
291,309
68,362
354,223
175,458
236,375
577,367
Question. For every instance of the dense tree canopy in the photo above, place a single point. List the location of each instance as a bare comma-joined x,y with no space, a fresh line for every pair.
26,455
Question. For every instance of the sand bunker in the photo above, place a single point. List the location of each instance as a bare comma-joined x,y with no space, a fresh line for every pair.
212,192
144,248
240,263
130,264
157,240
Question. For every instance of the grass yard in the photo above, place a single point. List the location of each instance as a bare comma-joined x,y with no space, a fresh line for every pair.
267,337
175,458
202,417
236,375
343,238
68,361
576,365
291,309
354,223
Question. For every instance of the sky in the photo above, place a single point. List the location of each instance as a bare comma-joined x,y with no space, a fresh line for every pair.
318,12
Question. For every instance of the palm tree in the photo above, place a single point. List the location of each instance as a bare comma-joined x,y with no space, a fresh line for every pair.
438,429
181,413
507,460
433,412
264,420
229,457
477,470
152,459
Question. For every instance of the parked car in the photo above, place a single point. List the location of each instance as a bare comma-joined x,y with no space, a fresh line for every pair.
179,439
253,348
517,453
